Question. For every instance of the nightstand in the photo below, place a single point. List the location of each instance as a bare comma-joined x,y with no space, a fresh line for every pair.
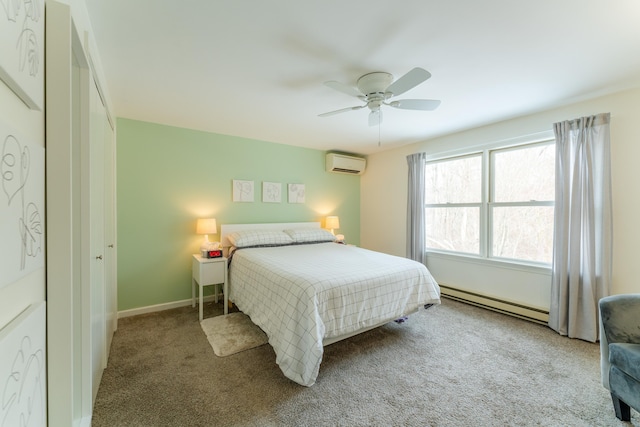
207,272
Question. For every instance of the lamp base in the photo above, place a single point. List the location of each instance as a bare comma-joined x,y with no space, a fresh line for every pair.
207,249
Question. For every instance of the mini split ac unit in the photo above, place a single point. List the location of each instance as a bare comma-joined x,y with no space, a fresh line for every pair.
341,163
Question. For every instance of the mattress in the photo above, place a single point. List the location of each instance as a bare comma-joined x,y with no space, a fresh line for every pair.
302,295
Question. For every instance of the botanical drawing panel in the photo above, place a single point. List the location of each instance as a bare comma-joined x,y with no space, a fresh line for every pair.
23,377
22,49
21,206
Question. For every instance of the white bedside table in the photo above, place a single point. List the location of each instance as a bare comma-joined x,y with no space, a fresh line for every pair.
206,272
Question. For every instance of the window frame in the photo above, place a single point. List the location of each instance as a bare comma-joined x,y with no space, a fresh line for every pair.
487,203
479,204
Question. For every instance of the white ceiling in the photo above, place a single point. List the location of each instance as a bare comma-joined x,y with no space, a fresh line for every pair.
256,68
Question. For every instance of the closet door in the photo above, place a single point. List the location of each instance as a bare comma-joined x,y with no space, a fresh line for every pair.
69,380
110,260
96,236
80,148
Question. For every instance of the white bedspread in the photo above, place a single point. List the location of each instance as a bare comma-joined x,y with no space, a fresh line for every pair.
302,294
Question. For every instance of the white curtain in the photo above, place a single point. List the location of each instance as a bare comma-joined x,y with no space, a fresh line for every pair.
416,237
582,255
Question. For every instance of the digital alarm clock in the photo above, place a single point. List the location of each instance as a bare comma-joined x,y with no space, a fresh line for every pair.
214,253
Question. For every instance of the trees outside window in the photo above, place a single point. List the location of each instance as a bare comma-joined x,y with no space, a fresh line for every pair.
493,204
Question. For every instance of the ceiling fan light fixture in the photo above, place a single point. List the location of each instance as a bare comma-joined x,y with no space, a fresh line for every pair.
374,105
374,89
375,118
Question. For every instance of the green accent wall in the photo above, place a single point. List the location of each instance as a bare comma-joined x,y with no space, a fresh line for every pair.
168,177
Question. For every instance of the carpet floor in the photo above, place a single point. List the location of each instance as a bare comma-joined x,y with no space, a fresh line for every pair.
450,365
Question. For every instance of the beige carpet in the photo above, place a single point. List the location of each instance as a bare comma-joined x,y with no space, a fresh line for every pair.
451,365
232,334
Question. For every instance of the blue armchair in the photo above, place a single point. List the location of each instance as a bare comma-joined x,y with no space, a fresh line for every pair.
620,351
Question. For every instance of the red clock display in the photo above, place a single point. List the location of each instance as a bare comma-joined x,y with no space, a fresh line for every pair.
214,253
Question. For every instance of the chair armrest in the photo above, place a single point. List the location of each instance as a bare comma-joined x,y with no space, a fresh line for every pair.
620,317
619,322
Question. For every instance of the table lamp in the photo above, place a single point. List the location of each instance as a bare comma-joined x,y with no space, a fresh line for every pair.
332,222
206,226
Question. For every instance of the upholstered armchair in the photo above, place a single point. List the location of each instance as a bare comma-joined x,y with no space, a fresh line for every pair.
620,351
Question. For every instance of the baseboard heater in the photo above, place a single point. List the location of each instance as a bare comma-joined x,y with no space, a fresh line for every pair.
496,304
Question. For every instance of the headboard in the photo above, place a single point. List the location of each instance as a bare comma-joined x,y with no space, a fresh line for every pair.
226,229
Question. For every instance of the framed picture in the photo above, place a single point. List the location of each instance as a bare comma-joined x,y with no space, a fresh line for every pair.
271,192
22,50
296,193
242,191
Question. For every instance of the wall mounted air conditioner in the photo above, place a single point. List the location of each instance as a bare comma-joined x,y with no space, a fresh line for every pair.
341,163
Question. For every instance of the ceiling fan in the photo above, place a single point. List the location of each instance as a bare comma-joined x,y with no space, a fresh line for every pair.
377,89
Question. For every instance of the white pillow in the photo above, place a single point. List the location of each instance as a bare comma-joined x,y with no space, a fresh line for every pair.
310,235
243,239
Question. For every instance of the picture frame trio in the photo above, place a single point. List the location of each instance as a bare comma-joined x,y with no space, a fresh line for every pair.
243,191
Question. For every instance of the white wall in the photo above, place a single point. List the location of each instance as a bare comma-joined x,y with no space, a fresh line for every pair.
384,197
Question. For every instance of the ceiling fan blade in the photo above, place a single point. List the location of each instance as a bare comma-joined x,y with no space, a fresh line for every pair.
375,117
416,104
342,110
410,80
341,87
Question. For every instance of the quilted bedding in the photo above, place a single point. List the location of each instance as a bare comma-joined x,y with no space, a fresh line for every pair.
300,295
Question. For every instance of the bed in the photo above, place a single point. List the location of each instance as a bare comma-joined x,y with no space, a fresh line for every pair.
306,291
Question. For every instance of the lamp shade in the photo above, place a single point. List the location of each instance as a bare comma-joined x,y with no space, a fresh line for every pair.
332,222
206,226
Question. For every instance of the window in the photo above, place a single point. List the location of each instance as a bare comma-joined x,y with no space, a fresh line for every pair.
454,201
493,204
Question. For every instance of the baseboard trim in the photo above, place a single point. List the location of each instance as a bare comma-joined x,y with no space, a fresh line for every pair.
511,308
485,301
161,307
84,422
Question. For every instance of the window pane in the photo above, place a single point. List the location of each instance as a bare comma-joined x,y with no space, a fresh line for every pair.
524,174
454,181
523,233
454,229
